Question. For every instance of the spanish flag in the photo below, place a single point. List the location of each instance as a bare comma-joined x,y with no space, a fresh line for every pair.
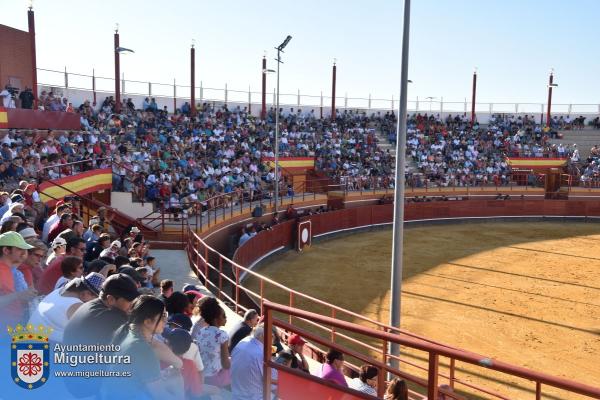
291,163
536,162
82,183
3,118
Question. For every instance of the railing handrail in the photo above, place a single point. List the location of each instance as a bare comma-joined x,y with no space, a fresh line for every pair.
369,98
468,357
73,163
194,235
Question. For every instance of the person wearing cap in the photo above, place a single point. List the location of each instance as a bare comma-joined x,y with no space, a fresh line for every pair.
96,321
243,328
133,233
129,270
58,307
94,249
28,233
14,291
31,268
52,273
59,248
296,345
112,251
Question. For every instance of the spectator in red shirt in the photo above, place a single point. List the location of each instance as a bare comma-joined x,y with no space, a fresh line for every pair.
32,266
65,222
13,294
75,247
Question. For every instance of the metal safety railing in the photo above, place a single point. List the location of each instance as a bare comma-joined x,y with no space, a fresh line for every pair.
93,83
227,280
433,354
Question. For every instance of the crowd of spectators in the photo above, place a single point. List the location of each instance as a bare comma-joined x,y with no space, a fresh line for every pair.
216,156
179,159
91,286
449,152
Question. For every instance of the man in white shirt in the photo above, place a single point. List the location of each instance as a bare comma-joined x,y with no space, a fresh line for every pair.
7,100
247,367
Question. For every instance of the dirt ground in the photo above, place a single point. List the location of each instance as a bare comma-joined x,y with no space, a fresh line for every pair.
524,293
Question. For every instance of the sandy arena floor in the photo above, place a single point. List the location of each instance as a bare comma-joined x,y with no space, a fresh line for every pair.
525,293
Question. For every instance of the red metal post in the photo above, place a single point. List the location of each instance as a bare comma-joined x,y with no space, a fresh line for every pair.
34,89
550,80
268,339
117,74
263,110
473,100
333,93
193,81
432,376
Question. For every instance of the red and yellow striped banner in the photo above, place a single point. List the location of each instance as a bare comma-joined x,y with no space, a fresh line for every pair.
536,162
83,183
3,118
291,162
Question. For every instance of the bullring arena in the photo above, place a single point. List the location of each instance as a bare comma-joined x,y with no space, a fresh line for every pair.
511,280
229,245
524,292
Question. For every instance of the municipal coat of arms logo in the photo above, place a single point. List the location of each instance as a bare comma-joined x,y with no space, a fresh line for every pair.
29,355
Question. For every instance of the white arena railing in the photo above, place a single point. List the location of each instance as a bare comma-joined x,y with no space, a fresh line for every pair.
80,87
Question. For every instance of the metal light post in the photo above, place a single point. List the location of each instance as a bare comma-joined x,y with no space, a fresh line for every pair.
117,72
263,109
193,79
551,85
333,87
278,59
398,233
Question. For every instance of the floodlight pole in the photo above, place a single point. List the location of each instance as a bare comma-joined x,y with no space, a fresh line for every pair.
193,81
398,232
279,50
263,110
474,98
117,74
550,86
277,137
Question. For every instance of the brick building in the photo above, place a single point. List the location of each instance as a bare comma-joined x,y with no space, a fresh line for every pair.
16,62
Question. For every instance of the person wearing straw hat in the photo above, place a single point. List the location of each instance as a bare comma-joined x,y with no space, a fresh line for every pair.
15,294
56,308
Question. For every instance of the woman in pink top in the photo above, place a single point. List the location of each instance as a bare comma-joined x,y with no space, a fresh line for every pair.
332,370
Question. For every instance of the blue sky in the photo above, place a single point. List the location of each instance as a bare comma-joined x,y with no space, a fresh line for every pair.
512,43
